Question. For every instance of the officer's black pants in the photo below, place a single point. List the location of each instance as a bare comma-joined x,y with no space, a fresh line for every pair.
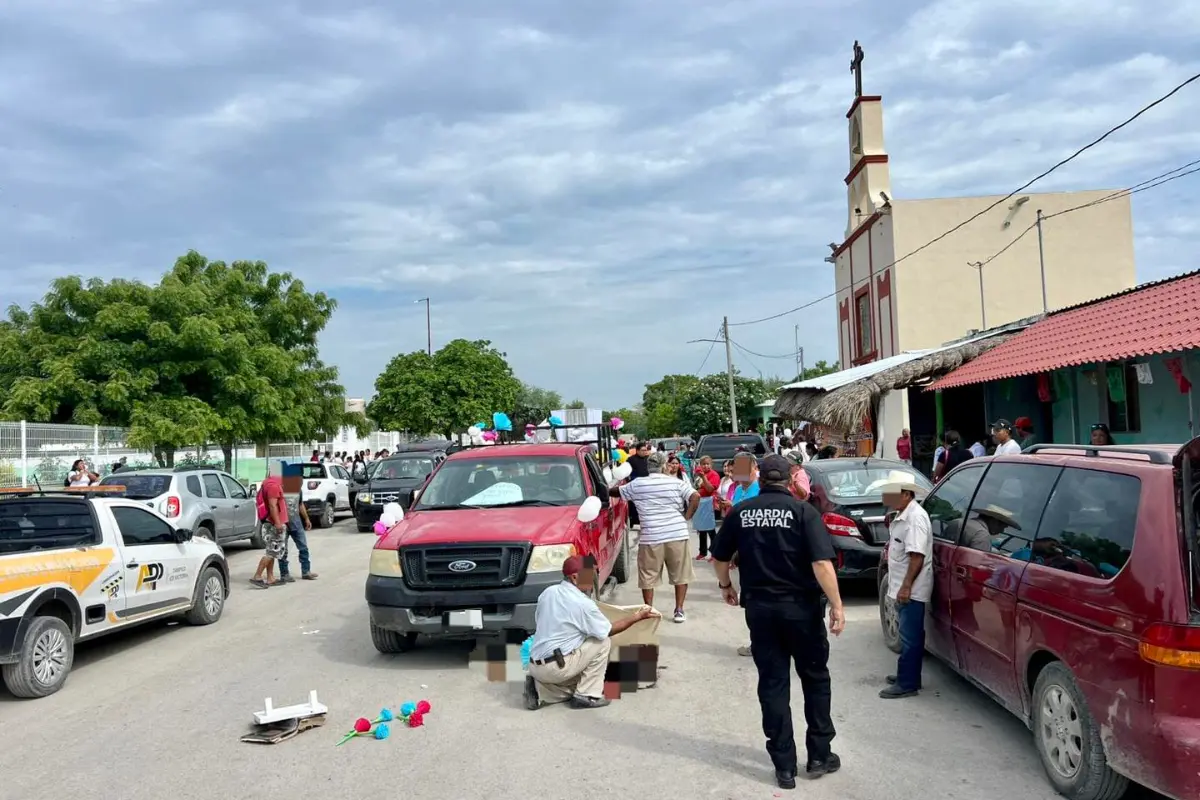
780,633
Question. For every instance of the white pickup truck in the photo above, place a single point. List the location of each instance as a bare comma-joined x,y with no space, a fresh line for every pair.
76,564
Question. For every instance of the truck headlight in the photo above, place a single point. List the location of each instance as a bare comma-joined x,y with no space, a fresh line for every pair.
386,564
364,497
550,557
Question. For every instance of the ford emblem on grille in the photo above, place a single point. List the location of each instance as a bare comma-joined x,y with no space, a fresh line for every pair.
462,566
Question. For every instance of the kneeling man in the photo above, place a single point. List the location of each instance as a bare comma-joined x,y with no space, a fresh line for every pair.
571,646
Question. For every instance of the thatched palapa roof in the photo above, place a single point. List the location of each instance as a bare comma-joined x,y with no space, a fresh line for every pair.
847,406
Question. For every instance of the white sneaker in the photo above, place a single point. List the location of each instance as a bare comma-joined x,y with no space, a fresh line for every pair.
680,616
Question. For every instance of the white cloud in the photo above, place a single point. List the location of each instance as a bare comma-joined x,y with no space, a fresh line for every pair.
588,186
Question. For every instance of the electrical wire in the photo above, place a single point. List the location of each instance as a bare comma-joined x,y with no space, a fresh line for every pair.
746,352
976,216
707,355
764,355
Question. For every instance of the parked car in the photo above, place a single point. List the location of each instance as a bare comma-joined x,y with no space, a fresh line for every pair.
724,446
672,444
393,480
325,491
488,533
1066,587
79,563
849,494
208,502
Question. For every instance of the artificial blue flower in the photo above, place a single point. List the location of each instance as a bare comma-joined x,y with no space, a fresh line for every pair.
386,715
382,732
407,709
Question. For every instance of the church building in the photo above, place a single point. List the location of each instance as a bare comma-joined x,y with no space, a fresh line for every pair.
897,291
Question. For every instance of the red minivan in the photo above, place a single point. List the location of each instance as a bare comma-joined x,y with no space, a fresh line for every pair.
1066,587
485,536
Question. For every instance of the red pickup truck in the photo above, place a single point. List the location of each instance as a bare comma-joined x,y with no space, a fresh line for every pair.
486,534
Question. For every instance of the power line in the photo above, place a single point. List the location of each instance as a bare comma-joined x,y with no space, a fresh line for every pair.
711,347
764,355
746,353
979,214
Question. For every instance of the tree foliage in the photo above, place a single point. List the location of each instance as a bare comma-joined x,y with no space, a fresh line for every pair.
705,408
635,422
534,405
669,391
463,383
214,352
822,367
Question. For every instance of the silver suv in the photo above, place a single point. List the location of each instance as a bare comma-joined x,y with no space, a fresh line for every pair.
206,501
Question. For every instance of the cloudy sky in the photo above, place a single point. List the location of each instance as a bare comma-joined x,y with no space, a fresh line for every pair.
587,183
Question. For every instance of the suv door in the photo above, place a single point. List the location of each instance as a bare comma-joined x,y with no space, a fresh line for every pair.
341,485
947,508
219,503
157,567
245,517
1003,520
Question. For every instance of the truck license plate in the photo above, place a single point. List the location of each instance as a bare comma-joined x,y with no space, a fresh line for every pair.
472,618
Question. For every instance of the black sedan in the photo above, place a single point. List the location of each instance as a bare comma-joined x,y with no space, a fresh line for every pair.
849,494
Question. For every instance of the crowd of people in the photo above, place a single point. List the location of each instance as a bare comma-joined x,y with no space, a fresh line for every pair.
355,462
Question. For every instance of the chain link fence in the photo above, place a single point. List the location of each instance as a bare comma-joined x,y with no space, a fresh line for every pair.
44,453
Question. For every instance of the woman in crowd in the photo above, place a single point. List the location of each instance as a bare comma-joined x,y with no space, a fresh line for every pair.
705,519
80,475
1101,435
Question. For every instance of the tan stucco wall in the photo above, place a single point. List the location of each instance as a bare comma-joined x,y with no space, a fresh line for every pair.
871,251
1088,253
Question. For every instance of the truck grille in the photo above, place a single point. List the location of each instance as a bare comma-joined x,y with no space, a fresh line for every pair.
382,498
496,566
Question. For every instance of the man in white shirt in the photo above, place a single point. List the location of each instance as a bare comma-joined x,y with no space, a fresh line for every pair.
570,649
664,505
1006,445
910,584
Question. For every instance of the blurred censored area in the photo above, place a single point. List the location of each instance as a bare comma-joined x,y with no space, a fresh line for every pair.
630,667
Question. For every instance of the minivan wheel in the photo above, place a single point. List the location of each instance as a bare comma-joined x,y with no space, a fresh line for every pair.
1068,740
889,617
45,660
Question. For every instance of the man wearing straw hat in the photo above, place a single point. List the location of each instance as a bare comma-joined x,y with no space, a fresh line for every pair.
910,584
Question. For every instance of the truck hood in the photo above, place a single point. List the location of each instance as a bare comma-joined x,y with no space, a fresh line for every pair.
393,484
535,524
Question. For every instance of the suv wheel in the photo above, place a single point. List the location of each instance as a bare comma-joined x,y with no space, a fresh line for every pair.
45,659
388,641
208,601
889,617
326,518
205,531
257,541
1068,740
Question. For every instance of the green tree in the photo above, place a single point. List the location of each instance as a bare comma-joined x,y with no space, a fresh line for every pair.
822,367
213,353
576,404
463,383
705,407
670,390
534,405
635,422
662,420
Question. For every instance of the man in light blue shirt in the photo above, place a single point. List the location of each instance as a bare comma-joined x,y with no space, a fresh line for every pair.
745,472
570,649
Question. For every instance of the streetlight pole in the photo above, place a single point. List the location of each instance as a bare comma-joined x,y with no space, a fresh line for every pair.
1042,262
428,325
729,373
978,265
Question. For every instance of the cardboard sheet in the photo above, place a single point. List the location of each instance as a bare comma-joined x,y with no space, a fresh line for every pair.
633,662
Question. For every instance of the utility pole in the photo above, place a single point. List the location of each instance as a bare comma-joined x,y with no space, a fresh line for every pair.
428,325
978,265
1042,262
729,373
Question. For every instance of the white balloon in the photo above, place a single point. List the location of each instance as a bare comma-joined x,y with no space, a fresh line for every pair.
589,510
622,472
787,432
608,475
394,511
474,431
388,520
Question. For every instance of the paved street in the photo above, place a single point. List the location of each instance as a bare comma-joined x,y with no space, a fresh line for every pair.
157,713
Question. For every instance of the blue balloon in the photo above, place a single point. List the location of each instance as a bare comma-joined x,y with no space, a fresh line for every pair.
557,421
481,425
501,422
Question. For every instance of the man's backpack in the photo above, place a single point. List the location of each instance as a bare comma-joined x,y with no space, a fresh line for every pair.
260,504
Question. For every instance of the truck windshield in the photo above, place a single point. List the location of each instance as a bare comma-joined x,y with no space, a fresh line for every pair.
33,524
400,468
495,482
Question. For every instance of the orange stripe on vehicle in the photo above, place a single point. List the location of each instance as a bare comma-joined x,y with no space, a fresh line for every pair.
78,569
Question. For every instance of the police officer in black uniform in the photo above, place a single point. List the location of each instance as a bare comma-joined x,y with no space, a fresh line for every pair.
786,563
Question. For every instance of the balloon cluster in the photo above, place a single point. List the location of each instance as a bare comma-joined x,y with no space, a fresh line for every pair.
614,475
390,518
617,423
411,715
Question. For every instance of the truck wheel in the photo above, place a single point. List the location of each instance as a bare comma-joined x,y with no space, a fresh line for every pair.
388,641
1068,740
45,659
889,618
620,569
257,540
208,601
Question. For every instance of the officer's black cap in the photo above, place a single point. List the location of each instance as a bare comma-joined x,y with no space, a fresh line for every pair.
775,468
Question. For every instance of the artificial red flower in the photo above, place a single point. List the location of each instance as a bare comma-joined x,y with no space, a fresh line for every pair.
423,707
362,725
416,719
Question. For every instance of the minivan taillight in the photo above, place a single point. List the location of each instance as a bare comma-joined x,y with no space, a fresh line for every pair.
173,507
841,526
1171,645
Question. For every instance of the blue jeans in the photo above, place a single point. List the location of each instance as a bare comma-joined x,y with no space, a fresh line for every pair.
297,532
912,645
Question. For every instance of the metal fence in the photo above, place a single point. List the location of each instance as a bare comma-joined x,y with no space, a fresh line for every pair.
45,452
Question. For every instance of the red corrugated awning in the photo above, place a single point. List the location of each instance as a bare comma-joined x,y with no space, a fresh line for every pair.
1162,317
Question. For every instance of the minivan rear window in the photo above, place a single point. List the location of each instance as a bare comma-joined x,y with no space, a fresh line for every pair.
1090,521
140,487
31,525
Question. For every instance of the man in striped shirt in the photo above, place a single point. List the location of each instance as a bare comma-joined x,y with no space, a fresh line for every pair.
664,504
